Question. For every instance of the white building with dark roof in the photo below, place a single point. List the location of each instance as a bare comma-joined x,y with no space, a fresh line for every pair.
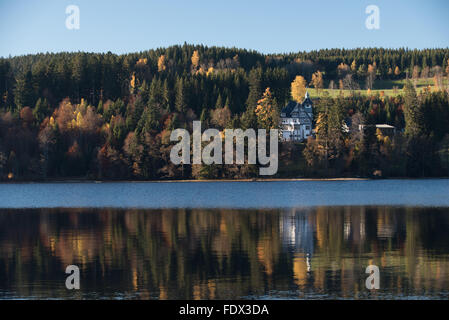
297,120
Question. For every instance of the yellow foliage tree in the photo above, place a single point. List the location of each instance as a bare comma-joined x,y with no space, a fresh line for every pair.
141,62
436,82
195,59
298,88
52,121
397,71
161,63
342,70
321,124
210,71
133,81
353,66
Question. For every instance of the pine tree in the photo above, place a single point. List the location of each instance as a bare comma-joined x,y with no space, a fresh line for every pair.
219,103
255,88
41,110
180,103
413,114
203,116
166,97
24,92
266,111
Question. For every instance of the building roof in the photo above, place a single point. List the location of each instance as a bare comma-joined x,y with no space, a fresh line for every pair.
384,126
380,126
307,99
289,108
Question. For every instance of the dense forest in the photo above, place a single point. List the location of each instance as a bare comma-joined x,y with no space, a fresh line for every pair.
108,116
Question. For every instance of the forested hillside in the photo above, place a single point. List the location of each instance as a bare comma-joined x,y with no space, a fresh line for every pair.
107,116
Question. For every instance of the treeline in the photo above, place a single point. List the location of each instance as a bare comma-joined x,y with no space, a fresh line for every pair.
417,146
101,77
106,116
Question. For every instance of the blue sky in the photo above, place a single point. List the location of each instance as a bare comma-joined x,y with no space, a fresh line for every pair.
266,26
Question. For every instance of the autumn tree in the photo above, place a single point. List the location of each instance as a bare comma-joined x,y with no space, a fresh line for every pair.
195,59
317,80
132,83
349,83
437,77
161,63
371,76
397,72
342,70
221,116
298,89
353,66
26,114
415,75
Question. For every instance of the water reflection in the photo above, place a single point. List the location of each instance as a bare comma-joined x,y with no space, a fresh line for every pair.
221,254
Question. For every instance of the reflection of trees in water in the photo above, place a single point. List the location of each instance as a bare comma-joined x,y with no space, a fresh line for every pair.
224,253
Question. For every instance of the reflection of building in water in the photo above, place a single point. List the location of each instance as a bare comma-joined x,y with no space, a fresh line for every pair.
354,227
296,231
386,225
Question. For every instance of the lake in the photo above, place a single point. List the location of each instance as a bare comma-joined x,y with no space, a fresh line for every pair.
273,194
225,240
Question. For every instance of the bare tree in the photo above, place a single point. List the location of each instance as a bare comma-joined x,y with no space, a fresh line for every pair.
425,72
371,76
415,75
349,83
437,72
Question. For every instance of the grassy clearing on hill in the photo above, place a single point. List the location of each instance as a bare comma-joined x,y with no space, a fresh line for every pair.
387,86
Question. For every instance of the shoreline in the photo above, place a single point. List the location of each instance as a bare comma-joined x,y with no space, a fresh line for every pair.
216,180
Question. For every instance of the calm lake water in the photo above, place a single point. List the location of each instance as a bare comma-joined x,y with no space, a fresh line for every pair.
236,240
276,194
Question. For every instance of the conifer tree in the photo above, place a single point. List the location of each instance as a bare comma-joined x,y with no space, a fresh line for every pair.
180,103
413,114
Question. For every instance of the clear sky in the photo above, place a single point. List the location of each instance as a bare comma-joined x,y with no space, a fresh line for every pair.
28,26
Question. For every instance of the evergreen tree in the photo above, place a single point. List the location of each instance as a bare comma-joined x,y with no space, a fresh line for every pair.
413,113
255,88
24,92
180,103
41,110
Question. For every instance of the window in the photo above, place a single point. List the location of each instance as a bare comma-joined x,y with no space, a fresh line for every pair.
307,127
